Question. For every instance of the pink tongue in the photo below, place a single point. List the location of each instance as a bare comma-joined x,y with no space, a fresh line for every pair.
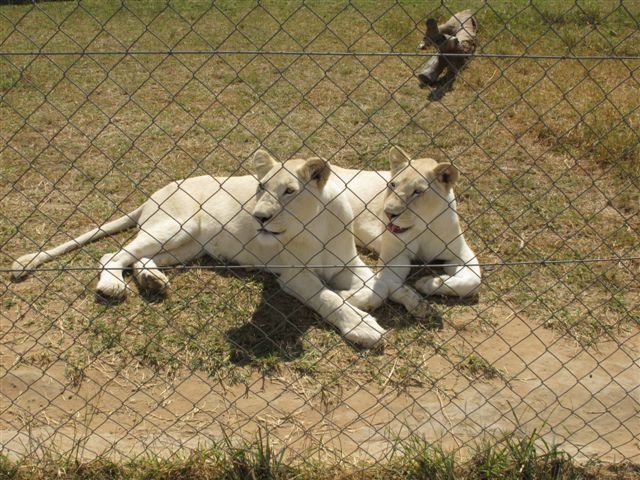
393,228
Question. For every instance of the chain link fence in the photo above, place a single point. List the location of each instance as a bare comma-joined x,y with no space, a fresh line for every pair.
103,103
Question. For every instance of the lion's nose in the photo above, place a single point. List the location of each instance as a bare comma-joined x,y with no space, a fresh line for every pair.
262,217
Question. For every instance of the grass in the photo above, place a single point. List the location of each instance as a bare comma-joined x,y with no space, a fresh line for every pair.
547,148
509,457
479,368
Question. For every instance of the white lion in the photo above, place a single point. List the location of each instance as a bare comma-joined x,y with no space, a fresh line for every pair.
292,218
410,213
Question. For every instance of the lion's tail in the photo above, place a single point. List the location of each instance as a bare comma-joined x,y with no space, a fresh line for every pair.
26,263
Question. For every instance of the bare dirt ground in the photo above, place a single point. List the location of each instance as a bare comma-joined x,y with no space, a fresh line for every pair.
585,400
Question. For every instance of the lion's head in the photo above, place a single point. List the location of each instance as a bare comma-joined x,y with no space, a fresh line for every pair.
289,195
418,192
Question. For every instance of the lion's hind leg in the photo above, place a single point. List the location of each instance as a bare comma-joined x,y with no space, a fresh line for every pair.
166,245
148,271
150,278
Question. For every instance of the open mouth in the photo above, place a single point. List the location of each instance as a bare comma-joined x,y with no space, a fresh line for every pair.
393,228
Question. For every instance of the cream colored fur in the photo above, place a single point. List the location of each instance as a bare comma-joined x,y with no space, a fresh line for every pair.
409,213
289,214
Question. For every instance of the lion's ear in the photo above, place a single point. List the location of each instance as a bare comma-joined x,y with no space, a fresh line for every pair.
398,159
263,162
316,169
446,174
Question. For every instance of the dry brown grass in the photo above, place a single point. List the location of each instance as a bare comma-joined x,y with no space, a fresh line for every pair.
548,148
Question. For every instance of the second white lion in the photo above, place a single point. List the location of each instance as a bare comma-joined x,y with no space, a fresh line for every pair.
409,213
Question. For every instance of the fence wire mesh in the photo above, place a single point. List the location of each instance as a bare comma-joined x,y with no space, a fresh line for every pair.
103,103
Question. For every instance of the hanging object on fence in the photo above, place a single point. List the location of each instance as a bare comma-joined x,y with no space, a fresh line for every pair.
454,41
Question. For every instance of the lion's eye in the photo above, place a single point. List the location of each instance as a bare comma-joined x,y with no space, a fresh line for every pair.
392,185
260,187
289,191
417,192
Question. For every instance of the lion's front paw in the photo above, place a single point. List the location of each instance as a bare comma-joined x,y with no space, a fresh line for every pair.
430,285
364,298
455,286
365,333
368,296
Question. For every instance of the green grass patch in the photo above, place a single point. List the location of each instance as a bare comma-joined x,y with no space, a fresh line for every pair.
509,457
